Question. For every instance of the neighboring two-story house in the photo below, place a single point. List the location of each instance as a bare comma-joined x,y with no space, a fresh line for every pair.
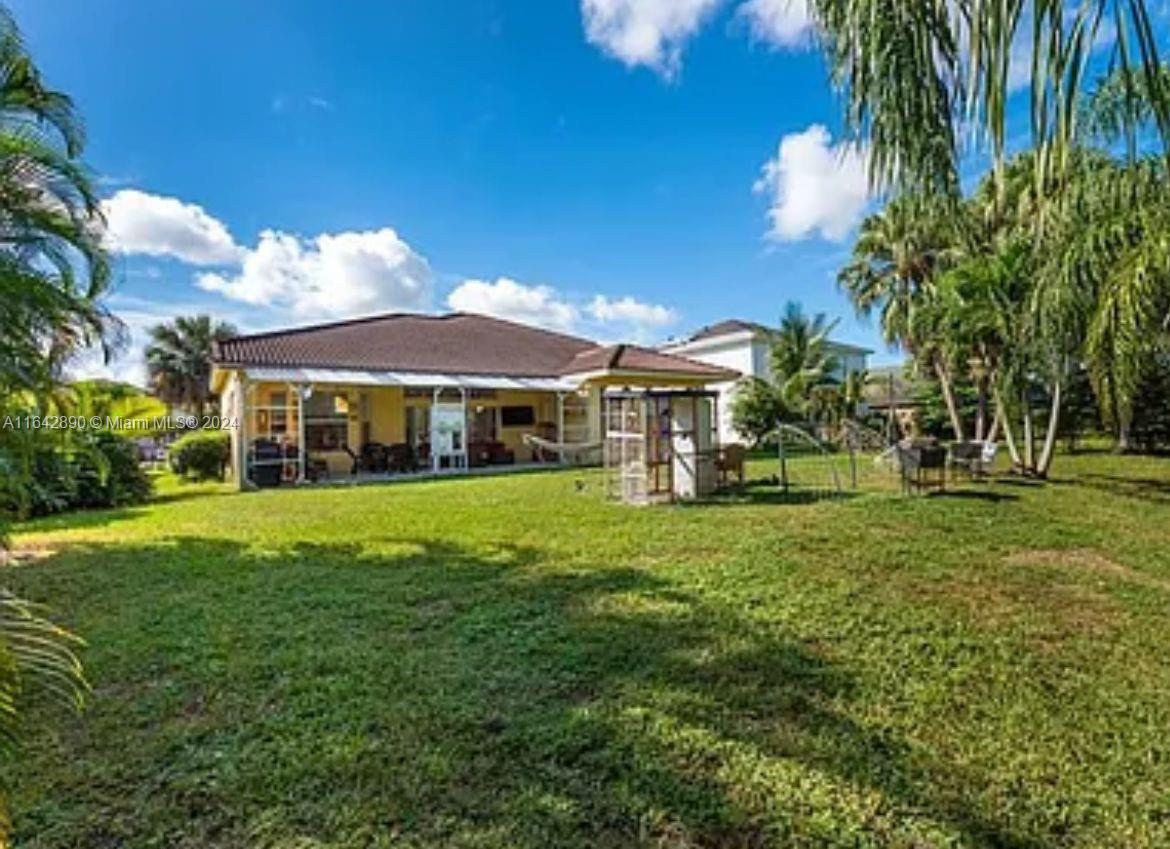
745,347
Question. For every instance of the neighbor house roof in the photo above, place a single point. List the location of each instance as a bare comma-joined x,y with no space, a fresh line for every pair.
726,328
458,343
733,326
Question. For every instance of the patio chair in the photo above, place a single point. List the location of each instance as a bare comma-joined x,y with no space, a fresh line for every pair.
400,458
923,465
730,461
974,458
374,457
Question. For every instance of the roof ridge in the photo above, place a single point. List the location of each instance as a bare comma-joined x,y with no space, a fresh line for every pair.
343,322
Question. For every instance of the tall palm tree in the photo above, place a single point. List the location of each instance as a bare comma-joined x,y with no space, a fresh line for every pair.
53,273
922,79
53,270
178,359
899,253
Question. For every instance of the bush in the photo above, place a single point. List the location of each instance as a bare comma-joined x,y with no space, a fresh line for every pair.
756,409
108,473
200,455
43,472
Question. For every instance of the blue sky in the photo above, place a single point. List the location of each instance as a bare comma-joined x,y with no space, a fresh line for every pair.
593,165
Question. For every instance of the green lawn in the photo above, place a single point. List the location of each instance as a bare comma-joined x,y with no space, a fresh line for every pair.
512,662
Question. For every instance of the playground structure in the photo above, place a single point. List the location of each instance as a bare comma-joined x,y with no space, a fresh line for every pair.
660,445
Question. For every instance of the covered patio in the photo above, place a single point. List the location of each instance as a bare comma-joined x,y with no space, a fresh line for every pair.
298,426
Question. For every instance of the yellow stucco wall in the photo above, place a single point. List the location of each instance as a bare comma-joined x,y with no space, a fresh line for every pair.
378,414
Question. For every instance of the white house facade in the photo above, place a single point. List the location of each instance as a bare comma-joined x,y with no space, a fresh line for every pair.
746,347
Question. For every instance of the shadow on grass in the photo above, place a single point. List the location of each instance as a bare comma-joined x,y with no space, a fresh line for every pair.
986,495
1144,489
423,690
767,492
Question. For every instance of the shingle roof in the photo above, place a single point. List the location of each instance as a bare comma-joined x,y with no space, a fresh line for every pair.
458,343
634,358
723,328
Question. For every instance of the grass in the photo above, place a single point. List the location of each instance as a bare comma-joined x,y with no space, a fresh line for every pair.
512,662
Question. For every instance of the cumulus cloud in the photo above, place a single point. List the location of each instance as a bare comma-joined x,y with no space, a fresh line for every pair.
339,275
814,187
780,23
631,311
505,298
141,223
333,275
651,33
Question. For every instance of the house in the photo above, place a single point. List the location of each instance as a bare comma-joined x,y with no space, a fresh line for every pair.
745,347
400,392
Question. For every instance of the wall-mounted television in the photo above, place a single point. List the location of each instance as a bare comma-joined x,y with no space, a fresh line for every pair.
517,416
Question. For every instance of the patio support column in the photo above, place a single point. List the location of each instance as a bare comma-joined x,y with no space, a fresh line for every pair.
466,447
240,457
302,448
561,422
434,435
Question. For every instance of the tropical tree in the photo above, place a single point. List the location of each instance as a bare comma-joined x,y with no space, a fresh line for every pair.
53,270
53,273
899,253
178,359
800,356
801,363
920,80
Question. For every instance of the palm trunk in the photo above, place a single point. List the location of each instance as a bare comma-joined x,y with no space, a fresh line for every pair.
948,391
1050,436
1029,436
981,410
1122,435
1003,416
993,431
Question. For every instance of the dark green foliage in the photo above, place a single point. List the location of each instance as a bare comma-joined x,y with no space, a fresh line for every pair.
1150,431
49,472
756,409
200,455
178,360
932,411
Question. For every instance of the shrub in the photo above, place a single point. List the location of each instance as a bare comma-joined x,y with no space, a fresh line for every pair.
45,472
108,473
200,455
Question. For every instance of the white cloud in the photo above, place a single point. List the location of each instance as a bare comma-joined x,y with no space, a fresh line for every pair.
631,311
645,32
138,316
141,223
814,187
537,305
333,275
780,23
339,275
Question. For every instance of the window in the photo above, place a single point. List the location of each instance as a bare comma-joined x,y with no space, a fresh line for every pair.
517,416
327,421
278,417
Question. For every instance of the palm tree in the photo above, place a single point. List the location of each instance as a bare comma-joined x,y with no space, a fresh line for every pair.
922,79
178,359
53,270
896,261
800,357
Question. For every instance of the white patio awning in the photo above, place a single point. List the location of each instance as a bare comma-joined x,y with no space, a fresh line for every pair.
358,377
